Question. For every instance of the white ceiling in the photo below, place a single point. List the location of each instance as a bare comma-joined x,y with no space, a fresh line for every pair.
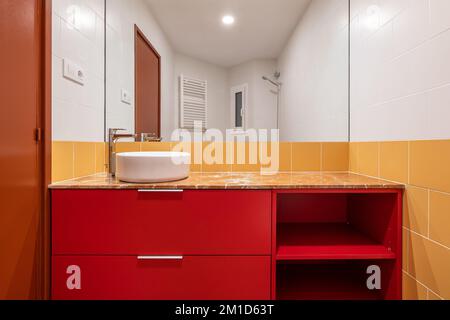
261,30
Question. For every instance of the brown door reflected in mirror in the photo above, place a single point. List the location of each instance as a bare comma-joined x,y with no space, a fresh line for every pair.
148,86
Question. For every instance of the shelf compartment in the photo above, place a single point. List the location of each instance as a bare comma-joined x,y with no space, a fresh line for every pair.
329,281
327,241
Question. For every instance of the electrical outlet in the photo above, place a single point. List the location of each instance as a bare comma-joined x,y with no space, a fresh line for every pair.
73,72
126,97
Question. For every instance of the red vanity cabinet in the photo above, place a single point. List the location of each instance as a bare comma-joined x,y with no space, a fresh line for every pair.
166,222
161,244
226,244
192,278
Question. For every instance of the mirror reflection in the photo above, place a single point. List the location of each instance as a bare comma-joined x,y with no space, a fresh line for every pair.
228,64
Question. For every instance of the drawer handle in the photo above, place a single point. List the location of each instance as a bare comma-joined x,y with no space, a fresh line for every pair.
160,257
160,190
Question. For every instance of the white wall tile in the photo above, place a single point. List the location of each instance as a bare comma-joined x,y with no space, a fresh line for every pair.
438,113
401,75
411,27
390,9
314,73
78,110
439,62
98,6
439,16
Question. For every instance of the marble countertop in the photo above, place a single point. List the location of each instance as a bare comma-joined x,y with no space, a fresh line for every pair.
252,181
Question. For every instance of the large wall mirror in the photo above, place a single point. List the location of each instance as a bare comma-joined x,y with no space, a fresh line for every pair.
228,64
155,66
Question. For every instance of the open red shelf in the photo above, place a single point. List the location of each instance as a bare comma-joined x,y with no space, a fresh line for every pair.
344,280
327,241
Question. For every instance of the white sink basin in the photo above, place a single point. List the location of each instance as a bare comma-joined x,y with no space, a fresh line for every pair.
149,167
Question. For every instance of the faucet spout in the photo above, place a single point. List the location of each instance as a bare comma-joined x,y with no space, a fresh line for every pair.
114,136
117,137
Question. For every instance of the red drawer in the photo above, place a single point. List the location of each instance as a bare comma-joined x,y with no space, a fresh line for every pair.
192,278
129,222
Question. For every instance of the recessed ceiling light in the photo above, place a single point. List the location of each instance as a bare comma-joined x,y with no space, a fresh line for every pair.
228,20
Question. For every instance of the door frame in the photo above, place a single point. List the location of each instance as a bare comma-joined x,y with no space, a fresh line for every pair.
139,33
45,150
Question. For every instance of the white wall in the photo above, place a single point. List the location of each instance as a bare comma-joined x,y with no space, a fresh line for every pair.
78,35
121,18
261,113
218,88
262,102
314,73
400,70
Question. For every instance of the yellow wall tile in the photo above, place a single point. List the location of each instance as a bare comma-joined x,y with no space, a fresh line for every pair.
306,156
100,157
268,157
214,157
156,146
195,149
368,158
394,161
429,164
440,218
416,210
197,157
84,159
429,263
353,157
412,290
107,157
62,161
335,156
433,296
128,147
426,207
285,156
246,157
308,162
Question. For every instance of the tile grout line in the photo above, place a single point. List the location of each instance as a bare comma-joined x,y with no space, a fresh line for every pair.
73,160
409,162
422,284
428,212
439,296
291,164
379,159
95,157
321,156
429,239
408,251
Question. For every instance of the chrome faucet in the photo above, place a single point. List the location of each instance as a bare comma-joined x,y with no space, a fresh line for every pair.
114,136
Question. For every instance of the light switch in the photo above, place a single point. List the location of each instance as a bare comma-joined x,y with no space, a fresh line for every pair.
126,97
73,72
